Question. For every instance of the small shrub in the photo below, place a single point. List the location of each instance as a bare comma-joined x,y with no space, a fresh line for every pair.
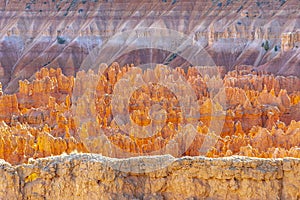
61,40
282,2
240,8
266,46
28,6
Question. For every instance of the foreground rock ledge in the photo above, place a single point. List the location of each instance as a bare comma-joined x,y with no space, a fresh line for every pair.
90,176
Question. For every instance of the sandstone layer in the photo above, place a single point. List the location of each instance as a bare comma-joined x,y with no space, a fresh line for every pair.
88,176
35,34
125,111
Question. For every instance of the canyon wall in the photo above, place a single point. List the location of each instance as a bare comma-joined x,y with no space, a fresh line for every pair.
88,176
246,104
62,34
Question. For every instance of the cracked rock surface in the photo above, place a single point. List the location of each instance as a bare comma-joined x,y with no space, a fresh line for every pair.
91,176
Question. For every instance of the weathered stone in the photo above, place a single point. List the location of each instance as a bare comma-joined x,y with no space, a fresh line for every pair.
88,176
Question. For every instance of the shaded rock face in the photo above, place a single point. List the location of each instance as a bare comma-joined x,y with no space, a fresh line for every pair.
88,176
61,34
257,114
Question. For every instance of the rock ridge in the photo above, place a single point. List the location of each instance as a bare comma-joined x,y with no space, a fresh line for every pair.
91,176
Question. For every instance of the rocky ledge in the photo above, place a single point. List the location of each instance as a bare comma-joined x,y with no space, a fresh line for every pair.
91,176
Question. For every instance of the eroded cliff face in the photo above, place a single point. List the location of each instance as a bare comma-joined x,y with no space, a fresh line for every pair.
290,40
245,113
62,34
243,107
88,176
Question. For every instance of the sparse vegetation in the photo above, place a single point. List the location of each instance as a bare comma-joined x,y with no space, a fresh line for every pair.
28,6
60,40
170,58
282,2
266,45
228,2
240,8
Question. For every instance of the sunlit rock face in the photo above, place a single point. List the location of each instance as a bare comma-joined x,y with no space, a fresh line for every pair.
185,178
62,34
93,112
